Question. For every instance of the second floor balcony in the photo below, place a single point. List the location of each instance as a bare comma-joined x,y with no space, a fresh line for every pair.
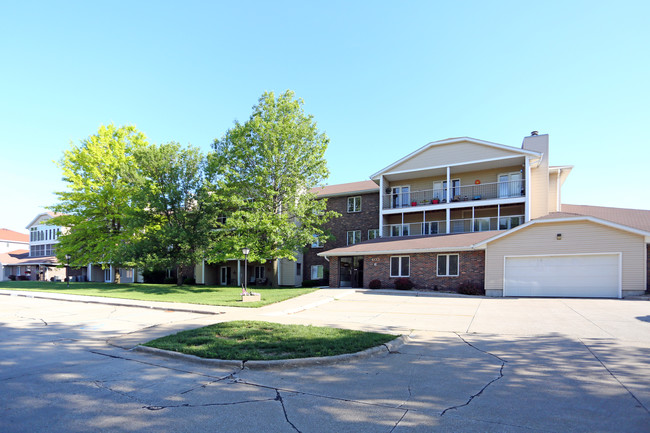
465,225
403,197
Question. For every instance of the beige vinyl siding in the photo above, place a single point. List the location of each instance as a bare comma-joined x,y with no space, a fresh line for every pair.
287,272
577,238
198,272
552,192
453,153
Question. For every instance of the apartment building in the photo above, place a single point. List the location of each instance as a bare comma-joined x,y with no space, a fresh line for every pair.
465,210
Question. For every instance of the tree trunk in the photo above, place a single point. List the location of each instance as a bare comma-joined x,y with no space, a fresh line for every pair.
274,282
179,276
118,279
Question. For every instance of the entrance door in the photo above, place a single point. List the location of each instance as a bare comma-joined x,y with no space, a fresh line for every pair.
225,276
357,272
345,272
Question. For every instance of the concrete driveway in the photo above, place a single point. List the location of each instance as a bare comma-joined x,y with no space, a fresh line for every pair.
472,364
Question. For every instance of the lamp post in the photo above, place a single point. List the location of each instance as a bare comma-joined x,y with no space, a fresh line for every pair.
245,251
67,269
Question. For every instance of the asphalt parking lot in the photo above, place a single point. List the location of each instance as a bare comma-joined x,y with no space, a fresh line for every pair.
471,364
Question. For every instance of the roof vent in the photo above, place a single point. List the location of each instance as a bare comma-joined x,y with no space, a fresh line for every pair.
534,133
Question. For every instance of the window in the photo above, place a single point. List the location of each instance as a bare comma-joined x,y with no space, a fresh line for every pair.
316,243
481,224
354,237
316,272
373,233
506,223
440,189
129,273
400,266
354,204
400,196
447,265
511,185
298,269
399,230
430,228
259,272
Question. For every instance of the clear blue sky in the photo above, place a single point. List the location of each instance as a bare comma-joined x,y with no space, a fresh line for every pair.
381,78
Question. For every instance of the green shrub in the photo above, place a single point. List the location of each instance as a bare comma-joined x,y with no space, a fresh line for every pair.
189,281
471,288
374,284
313,283
154,277
169,280
403,284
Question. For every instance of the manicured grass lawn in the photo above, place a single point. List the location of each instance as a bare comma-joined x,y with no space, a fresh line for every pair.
251,340
206,295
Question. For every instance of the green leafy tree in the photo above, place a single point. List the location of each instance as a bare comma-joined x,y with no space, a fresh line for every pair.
98,197
169,220
262,171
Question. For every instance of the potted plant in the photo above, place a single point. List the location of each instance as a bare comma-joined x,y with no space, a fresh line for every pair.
435,201
414,203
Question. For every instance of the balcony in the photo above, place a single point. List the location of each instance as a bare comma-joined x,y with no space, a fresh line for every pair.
432,197
467,225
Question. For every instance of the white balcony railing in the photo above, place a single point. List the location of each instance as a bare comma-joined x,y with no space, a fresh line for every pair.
455,226
428,197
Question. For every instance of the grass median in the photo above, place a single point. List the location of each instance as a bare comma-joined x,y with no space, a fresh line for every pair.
257,341
205,295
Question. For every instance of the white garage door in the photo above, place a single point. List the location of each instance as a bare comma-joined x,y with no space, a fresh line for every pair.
594,276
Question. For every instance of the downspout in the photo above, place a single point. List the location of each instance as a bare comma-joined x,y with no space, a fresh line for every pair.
558,204
528,197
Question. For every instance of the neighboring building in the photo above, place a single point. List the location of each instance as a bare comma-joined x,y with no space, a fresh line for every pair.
38,260
231,272
358,205
11,240
465,210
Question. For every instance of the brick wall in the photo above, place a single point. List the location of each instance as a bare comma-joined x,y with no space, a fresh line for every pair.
334,272
365,220
423,271
647,274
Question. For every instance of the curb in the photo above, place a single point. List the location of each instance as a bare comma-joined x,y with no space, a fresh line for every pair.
385,348
104,301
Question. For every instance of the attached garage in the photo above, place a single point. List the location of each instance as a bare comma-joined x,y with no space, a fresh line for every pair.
575,256
591,275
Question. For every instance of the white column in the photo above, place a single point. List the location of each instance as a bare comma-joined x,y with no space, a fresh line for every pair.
203,272
498,215
112,279
472,228
90,271
381,205
449,197
527,180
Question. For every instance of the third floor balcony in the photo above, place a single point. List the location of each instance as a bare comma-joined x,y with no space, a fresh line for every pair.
403,196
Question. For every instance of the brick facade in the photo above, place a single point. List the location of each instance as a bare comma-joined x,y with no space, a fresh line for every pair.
423,270
365,220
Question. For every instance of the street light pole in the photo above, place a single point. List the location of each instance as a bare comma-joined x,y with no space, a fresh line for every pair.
245,251
67,269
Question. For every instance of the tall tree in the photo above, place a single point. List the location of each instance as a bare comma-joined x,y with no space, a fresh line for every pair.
98,196
169,219
262,171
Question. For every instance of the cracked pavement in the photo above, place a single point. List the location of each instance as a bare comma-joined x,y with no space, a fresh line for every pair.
471,364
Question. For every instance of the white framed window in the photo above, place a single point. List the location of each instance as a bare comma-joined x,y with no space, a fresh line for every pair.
400,196
400,266
259,272
354,204
316,272
511,185
506,223
354,237
447,265
316,243
107,275
373,233
430,228
129,273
